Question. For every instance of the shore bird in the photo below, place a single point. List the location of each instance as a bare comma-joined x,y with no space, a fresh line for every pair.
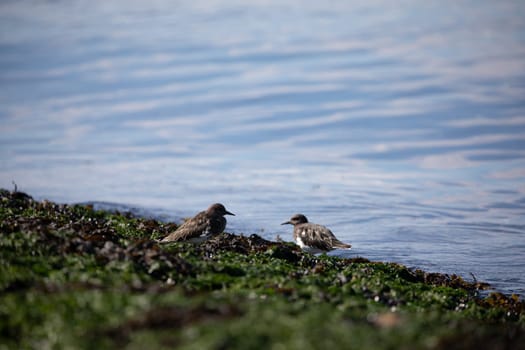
200,227
313,238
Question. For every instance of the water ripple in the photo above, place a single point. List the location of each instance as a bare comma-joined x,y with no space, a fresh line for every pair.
403,131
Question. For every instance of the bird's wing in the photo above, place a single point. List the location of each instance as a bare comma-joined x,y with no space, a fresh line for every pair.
316,236
217,225
320,237
191,228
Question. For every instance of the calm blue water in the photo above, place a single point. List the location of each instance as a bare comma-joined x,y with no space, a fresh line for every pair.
401,126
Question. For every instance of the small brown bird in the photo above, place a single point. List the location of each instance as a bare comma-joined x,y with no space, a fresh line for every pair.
313,238
202,226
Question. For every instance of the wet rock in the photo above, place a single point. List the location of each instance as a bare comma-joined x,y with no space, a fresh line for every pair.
286,252
512,305
158,263
15,199
236,243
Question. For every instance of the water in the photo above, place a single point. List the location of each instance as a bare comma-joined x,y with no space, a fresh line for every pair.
400,126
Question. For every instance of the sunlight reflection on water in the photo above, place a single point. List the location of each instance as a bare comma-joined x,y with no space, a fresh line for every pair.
400,127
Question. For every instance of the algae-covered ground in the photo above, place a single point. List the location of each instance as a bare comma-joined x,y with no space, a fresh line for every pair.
73,277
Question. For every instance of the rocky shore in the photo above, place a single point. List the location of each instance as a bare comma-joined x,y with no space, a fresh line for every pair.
74,277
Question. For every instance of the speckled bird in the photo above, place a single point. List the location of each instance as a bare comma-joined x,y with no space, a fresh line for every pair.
202,226
313,238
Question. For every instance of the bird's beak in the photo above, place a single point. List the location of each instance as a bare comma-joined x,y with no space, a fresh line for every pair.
228,213
286,223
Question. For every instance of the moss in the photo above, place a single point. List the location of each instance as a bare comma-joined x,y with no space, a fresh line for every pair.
74,277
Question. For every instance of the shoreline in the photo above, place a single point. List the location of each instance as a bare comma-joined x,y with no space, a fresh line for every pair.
72,275
500,278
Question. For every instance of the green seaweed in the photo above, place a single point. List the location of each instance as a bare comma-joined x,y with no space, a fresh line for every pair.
75,277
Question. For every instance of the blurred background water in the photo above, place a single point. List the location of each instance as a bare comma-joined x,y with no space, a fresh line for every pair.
400,125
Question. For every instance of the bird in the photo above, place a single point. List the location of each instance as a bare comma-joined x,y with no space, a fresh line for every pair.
314,238
200,227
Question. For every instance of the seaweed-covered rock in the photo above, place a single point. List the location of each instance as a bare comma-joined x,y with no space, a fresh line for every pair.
75,277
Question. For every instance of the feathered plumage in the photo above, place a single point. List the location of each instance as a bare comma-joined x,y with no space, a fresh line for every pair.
203,225
313,237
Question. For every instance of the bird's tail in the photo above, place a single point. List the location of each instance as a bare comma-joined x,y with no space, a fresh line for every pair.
342,245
